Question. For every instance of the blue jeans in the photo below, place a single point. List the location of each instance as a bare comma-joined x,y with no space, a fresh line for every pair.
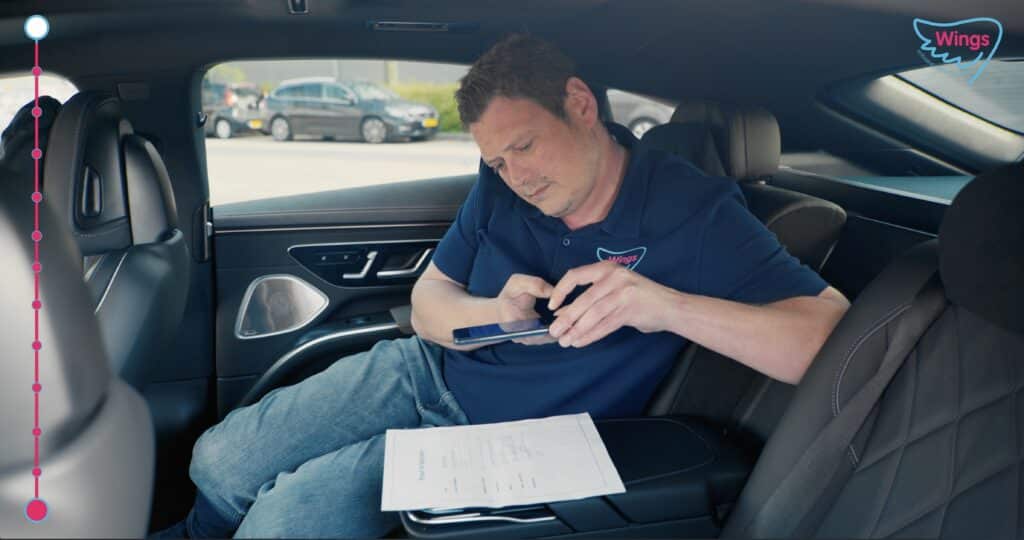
307,460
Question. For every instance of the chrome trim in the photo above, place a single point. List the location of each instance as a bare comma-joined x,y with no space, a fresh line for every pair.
363,243
110,283
311,314
473,517
332,227
331,337
407,271
366,267
92,269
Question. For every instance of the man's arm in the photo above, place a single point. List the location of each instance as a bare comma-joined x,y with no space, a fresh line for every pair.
441,304
779,339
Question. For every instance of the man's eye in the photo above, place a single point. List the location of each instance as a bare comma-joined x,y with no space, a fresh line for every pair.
525,147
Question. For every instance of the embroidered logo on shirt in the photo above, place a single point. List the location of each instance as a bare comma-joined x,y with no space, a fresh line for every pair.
629,258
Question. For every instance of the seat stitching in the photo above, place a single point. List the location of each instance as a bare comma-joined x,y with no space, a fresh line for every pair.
905,434
941,426
959,492
884,320
956,420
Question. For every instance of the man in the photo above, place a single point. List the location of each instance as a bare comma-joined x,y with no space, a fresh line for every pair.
635,253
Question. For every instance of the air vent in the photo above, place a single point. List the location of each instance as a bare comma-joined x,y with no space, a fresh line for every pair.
421,26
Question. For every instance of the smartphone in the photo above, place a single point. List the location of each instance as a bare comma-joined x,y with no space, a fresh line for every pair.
493,333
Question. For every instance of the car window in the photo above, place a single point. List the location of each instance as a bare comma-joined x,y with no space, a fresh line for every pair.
637,112
404,127
372,91
336,92
17,90
997,96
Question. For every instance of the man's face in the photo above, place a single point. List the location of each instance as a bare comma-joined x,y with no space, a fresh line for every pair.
551,163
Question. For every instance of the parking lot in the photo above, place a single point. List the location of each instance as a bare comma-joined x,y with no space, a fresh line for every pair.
256,166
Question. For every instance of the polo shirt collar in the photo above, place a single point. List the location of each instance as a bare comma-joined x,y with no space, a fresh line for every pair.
624,217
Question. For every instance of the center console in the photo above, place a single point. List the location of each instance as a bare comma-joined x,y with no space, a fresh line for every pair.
681,478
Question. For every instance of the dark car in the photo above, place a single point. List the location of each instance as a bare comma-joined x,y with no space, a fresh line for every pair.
231,108
323,107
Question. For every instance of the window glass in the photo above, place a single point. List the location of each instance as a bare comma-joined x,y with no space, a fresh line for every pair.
997,95
637,112
282,145
17,90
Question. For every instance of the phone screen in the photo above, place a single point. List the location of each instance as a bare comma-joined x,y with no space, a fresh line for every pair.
499,331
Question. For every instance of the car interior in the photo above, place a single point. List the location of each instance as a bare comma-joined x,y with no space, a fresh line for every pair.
163,313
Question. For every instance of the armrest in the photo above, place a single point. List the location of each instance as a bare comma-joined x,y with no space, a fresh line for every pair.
681,478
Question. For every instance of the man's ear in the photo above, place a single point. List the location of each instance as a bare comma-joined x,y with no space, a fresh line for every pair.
580,103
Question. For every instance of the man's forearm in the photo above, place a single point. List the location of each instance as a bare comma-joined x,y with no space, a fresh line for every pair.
438,307
779,339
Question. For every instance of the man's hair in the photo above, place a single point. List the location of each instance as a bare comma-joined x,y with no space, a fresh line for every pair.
518,66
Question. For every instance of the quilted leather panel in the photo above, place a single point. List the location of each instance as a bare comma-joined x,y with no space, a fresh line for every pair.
942,456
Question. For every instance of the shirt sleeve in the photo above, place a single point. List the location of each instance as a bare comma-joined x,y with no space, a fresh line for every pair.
741,260
456,251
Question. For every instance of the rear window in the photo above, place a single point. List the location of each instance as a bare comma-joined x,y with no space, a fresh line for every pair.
997,96
17,90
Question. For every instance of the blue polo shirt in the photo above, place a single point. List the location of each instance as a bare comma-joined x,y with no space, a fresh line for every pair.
669,222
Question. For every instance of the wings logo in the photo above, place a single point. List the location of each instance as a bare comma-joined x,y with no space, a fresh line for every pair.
969,44
629,258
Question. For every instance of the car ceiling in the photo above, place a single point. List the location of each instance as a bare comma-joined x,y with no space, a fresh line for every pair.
774,53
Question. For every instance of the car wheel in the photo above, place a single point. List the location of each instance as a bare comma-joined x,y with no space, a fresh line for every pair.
374,130
280,129
640,126
222,128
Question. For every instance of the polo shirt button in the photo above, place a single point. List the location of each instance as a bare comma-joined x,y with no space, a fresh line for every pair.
566,242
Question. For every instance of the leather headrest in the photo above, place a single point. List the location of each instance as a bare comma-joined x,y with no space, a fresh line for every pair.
981,247
691,141
73,369
107,182
747,138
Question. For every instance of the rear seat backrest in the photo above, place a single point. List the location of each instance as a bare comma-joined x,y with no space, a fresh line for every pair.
744,143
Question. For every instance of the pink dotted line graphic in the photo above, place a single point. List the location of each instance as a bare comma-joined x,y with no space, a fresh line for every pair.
36,28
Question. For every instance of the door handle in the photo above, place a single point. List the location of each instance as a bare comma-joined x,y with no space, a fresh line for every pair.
366,267
408,271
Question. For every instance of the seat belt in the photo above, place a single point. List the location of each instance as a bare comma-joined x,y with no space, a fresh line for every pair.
785,510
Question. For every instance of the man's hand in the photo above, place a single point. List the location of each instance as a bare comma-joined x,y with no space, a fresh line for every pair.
516,301
617,297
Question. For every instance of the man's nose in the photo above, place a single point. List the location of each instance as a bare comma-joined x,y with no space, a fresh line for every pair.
517,174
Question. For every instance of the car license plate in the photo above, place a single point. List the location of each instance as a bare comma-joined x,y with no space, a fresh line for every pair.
255,124
430,122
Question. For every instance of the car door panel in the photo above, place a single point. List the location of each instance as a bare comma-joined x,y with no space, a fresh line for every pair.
318,241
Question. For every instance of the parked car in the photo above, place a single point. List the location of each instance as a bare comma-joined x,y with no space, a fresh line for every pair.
232,108
636,112
323,107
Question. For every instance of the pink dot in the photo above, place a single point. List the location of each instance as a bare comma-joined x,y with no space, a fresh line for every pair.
36,510
37,71
36,345
37,432
36,267
37,112
37,153
37,197
37,387
37,236
36,304
37,471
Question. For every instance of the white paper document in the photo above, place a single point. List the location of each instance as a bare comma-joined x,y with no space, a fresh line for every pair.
492,465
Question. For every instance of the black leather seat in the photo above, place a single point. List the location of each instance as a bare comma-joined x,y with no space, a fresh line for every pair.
939,454
96,446
111,187
743,143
